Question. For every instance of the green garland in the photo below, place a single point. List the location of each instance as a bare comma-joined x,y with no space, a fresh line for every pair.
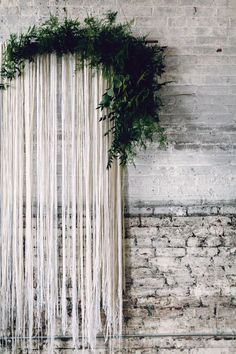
129,63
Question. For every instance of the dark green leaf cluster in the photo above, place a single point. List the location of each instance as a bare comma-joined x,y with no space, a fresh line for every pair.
131,66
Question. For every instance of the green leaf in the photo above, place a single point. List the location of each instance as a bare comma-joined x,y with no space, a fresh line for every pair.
110,92
131,67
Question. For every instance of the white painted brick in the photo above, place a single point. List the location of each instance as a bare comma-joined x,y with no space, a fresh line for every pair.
148,283
165,263
142,232
146,253
170,252
202,251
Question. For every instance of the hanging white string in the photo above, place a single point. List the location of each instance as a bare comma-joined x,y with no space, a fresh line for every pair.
60,207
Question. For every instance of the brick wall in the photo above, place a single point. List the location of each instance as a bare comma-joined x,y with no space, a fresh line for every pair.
180,238
180,286
180,289
181,278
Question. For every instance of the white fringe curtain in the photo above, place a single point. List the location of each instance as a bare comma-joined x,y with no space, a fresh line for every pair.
60,208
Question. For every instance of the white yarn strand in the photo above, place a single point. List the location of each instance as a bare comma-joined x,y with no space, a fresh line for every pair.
63,196
28,121
54,176
80,202
73,187
40,168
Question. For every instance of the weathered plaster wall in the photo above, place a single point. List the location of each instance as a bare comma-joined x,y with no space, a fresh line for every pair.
181,275
199,165
180,249
181,278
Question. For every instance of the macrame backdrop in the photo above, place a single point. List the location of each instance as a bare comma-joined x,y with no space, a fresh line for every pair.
60,208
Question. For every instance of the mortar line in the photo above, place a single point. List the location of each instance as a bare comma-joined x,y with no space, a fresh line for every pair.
155,335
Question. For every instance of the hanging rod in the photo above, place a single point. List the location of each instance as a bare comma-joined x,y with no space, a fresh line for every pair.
140,335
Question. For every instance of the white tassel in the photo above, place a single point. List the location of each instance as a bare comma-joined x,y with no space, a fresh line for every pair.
53,176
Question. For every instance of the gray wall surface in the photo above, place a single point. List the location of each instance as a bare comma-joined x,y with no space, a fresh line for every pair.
180,280
199,165
180,237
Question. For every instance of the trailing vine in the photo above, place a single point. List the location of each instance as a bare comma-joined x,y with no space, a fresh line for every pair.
130,64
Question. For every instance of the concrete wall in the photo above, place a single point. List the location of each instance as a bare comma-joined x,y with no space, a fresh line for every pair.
180,235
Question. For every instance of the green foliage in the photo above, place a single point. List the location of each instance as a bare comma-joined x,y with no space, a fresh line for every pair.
131,66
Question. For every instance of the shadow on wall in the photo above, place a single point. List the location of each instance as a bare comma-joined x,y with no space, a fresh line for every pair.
199,165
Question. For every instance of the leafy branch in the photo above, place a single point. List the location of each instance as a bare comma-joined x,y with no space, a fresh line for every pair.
131,66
